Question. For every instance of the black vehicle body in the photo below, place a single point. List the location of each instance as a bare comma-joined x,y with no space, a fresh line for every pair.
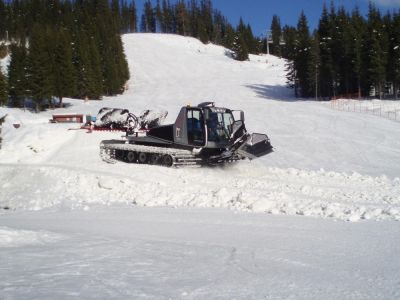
211,134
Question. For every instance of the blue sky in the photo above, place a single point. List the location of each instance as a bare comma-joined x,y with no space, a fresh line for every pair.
259,12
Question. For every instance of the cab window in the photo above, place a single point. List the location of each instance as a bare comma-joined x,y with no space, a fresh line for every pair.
219,126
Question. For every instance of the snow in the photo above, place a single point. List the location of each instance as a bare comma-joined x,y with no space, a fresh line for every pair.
18,238
318,218
270,190
162,253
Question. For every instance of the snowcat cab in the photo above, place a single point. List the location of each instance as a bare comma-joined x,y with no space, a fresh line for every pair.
215,129
204,126
202,134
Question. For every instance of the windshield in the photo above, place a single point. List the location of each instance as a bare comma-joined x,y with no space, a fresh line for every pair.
219,126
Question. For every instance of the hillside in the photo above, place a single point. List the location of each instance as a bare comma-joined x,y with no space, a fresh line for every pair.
327,166
353,154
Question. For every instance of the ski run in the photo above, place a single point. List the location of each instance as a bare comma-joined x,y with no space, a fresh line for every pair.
316,219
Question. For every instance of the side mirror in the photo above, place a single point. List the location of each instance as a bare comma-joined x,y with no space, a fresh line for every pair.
242,116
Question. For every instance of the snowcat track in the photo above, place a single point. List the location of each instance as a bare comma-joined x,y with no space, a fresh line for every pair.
108,153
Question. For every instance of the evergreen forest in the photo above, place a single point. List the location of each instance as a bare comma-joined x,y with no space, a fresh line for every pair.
73,48
61,49
349,55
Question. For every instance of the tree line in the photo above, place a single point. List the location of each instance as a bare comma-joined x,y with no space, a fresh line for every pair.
60,49
348,55
72,48
200,20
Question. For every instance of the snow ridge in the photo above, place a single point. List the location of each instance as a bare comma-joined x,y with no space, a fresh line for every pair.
269,190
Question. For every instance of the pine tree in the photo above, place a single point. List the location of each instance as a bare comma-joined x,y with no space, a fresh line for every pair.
335,49
63,73
250,40
3,20
303,56
148,18
96,87
289,36
203,34
291,78
167,16
241,52
219,27
121,64
358,33
86,86
143,24
181,18
206,13
194,16
159,17
229,37
326,72
66,16
394,58
375,52
40,66
116,14
52,11
132,17
314,66
276,36
125,17
16,25
344,48
288,51
3,89
17,75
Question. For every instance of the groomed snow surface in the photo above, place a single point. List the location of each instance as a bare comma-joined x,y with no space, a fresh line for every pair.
316,219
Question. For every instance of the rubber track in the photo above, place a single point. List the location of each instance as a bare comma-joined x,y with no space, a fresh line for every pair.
180,157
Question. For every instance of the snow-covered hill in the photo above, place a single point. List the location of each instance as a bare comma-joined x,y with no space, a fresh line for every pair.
327,164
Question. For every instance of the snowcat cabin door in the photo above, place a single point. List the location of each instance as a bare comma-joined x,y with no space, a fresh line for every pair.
195,127
219,126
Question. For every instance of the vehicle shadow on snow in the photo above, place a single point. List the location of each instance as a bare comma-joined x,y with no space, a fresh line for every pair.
273,92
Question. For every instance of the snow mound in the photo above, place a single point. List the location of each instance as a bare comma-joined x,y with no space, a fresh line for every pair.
323,194
19,238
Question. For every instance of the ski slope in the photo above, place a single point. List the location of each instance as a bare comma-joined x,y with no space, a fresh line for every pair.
200,233
326,163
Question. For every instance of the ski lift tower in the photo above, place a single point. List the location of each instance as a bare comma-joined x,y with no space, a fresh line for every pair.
271,41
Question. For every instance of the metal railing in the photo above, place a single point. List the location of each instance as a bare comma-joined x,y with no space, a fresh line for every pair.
381,108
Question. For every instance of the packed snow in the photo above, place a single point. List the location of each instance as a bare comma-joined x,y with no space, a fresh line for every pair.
298,223
159,253
18,238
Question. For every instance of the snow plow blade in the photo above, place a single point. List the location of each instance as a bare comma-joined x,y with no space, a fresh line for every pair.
256,145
